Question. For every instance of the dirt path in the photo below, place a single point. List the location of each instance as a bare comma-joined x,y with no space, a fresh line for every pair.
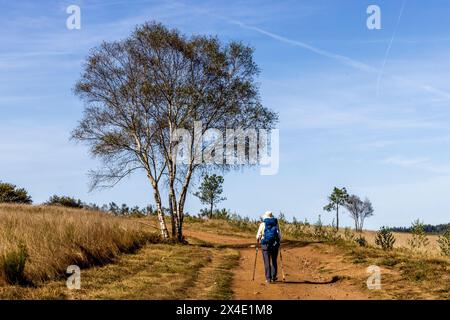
312,270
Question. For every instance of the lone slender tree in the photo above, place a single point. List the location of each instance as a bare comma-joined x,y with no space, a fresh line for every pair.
336,199
210,191
140,90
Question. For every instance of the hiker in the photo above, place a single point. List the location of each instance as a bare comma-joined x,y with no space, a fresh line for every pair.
270,237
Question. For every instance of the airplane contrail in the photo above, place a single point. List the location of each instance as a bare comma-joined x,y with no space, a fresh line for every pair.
388,50
340,58
343,59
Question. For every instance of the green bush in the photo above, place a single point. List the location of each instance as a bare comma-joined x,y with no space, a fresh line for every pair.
65,202
385,239
361,241
9,193
444,243
12,265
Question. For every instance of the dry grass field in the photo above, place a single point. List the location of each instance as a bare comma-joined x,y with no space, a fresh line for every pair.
120,258
38,243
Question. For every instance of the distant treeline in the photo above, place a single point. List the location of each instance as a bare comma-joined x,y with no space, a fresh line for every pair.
122,210
428,228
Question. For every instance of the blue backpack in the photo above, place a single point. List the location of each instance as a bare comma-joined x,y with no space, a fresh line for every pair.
270,231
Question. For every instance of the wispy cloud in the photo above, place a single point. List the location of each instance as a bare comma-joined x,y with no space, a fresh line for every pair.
406,162
313,116
384,143
424,164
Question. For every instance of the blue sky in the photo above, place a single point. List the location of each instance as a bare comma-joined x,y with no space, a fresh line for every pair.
365,109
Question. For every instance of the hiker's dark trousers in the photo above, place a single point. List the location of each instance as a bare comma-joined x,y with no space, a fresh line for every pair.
270,254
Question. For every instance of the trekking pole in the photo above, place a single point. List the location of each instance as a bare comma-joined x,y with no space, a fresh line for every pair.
254,266
281,261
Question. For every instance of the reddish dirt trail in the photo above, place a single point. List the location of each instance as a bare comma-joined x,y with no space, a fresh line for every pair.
312,270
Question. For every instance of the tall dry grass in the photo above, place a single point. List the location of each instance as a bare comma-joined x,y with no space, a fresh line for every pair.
52,238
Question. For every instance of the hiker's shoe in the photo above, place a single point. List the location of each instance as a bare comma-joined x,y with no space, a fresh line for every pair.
274,279
268,281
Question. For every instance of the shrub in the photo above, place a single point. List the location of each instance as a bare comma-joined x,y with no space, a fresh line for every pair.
331,234
244,224
349,235
418,239
136,212
125,210
282,219
319,230
385,239
361,241
9,193
296,222
325,233
65,202
12,265
216,214
444,243
297,230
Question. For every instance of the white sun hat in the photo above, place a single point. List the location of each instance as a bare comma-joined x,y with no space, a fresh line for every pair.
267,214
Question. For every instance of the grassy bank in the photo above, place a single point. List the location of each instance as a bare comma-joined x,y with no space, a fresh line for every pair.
405,274
38,243
158,271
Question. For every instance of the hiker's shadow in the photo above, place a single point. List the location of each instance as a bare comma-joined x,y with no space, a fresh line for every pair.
286,244
333,280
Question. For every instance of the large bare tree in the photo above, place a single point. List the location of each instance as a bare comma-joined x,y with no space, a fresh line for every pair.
138,91
359,210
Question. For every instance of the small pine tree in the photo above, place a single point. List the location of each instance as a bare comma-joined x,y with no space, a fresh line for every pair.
444,243
418,239
210,192
336,199
385,239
